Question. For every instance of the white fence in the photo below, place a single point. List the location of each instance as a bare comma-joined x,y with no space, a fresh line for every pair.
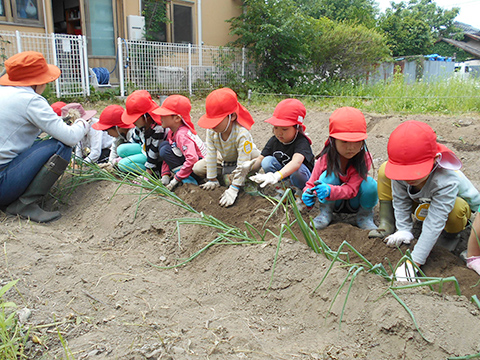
68,52
180,68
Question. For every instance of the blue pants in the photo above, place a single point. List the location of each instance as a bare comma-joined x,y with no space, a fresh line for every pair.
174,161
367,196
133,160
19,173
298,178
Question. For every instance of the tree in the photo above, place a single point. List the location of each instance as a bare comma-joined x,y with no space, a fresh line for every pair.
413,28
155,12
343,51
274,32
353,11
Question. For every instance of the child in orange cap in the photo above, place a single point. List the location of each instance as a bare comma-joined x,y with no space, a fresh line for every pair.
288,153
228,138
139,111
95,146
425,176
340,178
111,122
183,147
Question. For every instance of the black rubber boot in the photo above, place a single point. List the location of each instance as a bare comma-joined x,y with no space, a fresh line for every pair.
387,221
27,204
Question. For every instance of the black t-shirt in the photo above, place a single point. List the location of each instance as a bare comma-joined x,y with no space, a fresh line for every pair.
284,153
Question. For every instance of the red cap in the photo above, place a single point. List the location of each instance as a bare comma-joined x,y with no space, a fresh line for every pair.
348,124
28,68
412,148
219,104
139,103
84,114
177,105
288,112
110,117
57,107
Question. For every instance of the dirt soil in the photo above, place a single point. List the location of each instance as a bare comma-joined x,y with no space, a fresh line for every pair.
93,276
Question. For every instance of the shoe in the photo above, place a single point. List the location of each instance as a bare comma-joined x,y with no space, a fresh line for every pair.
387,221
322,220
27,204
365,219
448,241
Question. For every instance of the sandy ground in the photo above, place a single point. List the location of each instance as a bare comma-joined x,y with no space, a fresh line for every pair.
94,273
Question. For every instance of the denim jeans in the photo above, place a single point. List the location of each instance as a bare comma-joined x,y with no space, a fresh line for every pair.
298,178
367,196
19,173
174,161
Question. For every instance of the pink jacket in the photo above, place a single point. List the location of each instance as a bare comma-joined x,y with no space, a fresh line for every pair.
190,145
350,181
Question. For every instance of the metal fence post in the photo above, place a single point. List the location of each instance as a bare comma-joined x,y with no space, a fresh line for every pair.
55,62
19,41
120,66
243,64
82,41
190,69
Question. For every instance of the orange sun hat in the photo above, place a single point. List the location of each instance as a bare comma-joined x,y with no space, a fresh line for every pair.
110,117
177,105
219,104
139,103
28,68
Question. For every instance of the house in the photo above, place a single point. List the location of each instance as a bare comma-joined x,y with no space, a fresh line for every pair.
470,42
103,21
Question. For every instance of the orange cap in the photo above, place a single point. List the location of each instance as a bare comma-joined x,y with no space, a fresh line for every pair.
28,68
348,124
177,105
110,117
219,104
139,103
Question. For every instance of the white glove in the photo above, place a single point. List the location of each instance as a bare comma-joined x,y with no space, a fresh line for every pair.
399,238
406,272
229,196
173,184
165,180
241,171
210,185
266,179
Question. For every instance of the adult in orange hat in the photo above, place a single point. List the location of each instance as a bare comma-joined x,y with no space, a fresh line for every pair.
29,168
340,178
228,140
139,108
183,147
425,176
288,153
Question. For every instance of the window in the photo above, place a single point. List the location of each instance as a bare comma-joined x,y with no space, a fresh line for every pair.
100,28
29,12
182,24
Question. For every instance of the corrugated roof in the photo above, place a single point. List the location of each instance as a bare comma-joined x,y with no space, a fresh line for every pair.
469,29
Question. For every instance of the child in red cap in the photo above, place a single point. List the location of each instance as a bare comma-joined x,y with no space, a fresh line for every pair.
288,153
139,111
473,248
426,177
111,122
183,147
57,107
228,138
339,179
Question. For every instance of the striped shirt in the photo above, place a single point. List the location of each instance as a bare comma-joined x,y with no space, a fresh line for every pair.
152,139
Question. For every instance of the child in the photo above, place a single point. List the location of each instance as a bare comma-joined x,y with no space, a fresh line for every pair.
288,153
339,179
139,111
57,107
97,142
473,247
228,124
111,122
183,147
425,176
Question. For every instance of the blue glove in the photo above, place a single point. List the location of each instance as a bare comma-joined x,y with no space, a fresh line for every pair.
308,198
323,191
